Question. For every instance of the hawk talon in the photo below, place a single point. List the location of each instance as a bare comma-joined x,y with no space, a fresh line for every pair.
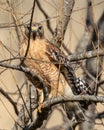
39,109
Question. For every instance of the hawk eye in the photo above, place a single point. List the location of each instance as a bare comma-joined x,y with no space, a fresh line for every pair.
27,26
40,27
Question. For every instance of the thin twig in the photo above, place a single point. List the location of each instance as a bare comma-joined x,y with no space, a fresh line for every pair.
46,16
23,101
16,21
10,100
32,13
64,18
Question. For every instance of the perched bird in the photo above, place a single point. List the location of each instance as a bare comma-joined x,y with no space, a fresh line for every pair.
45,65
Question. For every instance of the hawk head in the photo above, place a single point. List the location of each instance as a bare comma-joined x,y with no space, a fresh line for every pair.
37,31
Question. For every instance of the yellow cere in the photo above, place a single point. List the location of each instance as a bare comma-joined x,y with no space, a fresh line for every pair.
34,28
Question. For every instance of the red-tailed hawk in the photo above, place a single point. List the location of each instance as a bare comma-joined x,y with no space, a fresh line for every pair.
40,61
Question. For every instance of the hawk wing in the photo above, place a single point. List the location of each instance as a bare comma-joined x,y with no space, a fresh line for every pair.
64,64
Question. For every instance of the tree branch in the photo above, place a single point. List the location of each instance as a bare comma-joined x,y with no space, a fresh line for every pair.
50,102
45,15
10,100
64,18
23,116
74,98
32,13
85,55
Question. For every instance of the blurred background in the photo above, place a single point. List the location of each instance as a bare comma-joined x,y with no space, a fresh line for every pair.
18,12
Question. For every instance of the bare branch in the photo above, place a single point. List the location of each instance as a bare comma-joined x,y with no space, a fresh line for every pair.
23,117
50,102
64,18
46,16
10,100
73,98
85,55
29,32
16,21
